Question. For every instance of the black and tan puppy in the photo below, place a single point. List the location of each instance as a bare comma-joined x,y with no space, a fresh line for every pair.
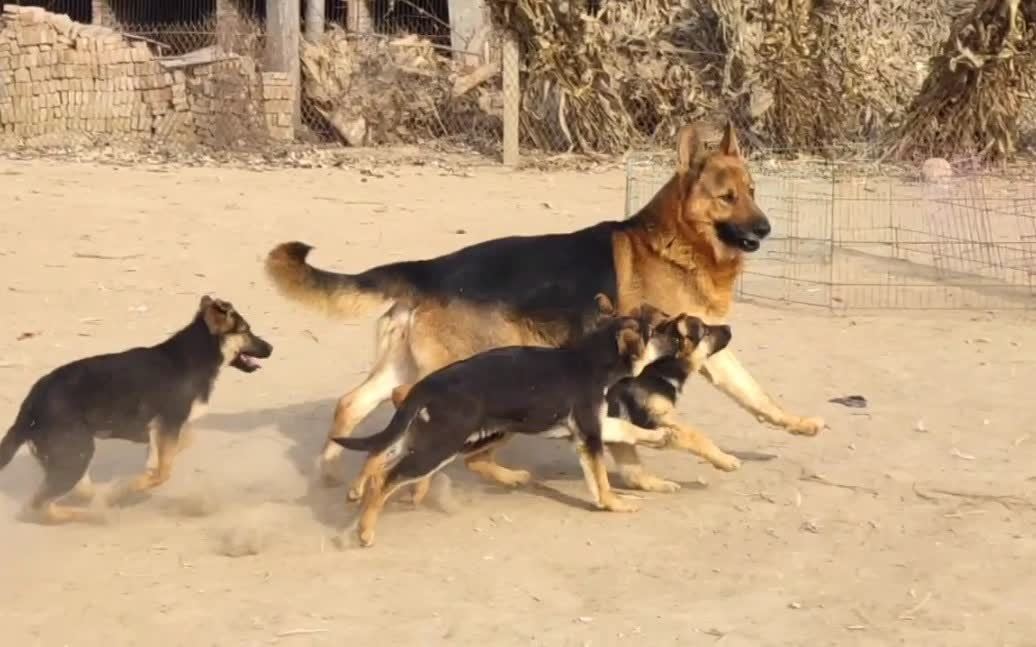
144,395
648,400
548,392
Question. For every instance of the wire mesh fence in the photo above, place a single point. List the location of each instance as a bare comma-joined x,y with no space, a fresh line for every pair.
846,239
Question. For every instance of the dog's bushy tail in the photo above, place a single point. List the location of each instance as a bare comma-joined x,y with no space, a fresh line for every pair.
339,295
396,428
9,445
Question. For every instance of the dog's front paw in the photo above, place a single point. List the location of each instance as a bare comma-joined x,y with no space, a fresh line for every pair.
366,537
615,504
725,462
355,492
649,483
515,478
807,426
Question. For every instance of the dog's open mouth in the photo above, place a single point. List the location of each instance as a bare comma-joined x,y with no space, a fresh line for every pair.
245,362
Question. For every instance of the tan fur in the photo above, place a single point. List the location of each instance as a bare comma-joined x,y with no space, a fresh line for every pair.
162,452
294,280
484,464
673,260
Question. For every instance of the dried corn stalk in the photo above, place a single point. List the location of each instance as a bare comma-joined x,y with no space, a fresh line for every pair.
378,91
797,74
972,100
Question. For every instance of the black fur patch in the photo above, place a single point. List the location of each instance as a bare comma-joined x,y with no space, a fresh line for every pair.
536,276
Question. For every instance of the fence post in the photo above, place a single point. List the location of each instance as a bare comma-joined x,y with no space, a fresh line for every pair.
282,47
512,97
101,13
315,20
358,16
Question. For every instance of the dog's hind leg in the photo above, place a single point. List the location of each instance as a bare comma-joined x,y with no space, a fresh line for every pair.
64,467
373,501
728,375
484,464
162,451
413,468
374,464
420,491
596,475
393,367
85,489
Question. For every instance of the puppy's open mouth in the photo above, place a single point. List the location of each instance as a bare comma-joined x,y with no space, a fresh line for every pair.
245,362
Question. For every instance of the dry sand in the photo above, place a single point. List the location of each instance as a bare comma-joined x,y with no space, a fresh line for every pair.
763,556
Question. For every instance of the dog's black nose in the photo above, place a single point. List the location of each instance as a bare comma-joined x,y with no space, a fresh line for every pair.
761,228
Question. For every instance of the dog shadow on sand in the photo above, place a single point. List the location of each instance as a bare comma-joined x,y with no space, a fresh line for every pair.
305,425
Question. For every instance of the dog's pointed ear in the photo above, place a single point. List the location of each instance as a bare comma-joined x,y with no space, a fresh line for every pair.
688,147
605,307
216,314
729,145
630,343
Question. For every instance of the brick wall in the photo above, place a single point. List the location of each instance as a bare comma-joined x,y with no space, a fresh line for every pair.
61,77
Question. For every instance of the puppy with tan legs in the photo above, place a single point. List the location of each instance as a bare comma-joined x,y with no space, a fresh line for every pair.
648,400
144,395
468,407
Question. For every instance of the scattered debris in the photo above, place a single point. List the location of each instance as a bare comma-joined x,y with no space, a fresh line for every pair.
817,478
105,257
1009,501
851,401
299,632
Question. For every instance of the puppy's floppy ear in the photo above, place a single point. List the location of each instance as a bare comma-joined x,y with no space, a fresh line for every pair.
605,307
217,315
630,343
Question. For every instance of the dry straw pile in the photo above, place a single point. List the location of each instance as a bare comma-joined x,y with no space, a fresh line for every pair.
376,91
972,100
803,75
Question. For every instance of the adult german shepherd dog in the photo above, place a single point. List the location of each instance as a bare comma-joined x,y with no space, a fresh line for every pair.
681,253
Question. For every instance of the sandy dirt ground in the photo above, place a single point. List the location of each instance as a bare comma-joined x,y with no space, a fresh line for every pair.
852,538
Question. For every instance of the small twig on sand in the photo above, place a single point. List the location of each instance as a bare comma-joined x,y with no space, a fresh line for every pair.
300,632
1006,500
103,257
816,478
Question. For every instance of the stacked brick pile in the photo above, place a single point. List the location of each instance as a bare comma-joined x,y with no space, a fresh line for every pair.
277,103
226,102
59,76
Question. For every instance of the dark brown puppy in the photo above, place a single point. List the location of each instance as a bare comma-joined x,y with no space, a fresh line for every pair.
144,395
